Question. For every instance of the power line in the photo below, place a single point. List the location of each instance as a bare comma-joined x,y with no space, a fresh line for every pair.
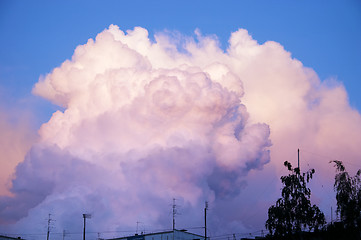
329,158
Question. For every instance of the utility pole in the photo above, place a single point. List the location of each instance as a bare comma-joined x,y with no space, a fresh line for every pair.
174,213
298,153
85,216
174,210
63,234
49,221
205,221
298,156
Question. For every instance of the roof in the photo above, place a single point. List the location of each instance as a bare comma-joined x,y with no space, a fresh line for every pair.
7,237
134,237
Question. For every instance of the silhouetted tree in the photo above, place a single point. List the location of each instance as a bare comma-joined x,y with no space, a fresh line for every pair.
293,212
348,196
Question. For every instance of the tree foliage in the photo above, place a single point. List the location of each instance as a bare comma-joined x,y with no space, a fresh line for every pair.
293,212
348,196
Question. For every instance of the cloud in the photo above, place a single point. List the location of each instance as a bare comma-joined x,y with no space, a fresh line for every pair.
148,121
15,140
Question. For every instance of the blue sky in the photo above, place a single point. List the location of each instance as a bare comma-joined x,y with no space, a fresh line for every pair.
39,35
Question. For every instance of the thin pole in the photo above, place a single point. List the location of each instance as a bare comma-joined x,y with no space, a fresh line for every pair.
174,213
205,221
48,233
298,153
84,227
85,215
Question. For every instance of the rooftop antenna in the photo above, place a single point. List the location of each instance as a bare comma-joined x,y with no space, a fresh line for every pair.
137,227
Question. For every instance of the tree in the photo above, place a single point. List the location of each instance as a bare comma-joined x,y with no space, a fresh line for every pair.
348,196
293,212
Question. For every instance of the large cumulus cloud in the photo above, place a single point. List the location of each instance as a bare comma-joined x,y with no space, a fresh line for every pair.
147,121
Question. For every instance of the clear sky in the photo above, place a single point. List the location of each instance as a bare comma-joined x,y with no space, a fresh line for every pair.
133,115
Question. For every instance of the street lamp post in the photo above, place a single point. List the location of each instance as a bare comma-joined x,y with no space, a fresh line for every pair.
85,216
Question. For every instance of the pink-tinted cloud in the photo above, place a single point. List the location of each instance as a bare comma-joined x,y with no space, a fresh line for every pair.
15,140
145,122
